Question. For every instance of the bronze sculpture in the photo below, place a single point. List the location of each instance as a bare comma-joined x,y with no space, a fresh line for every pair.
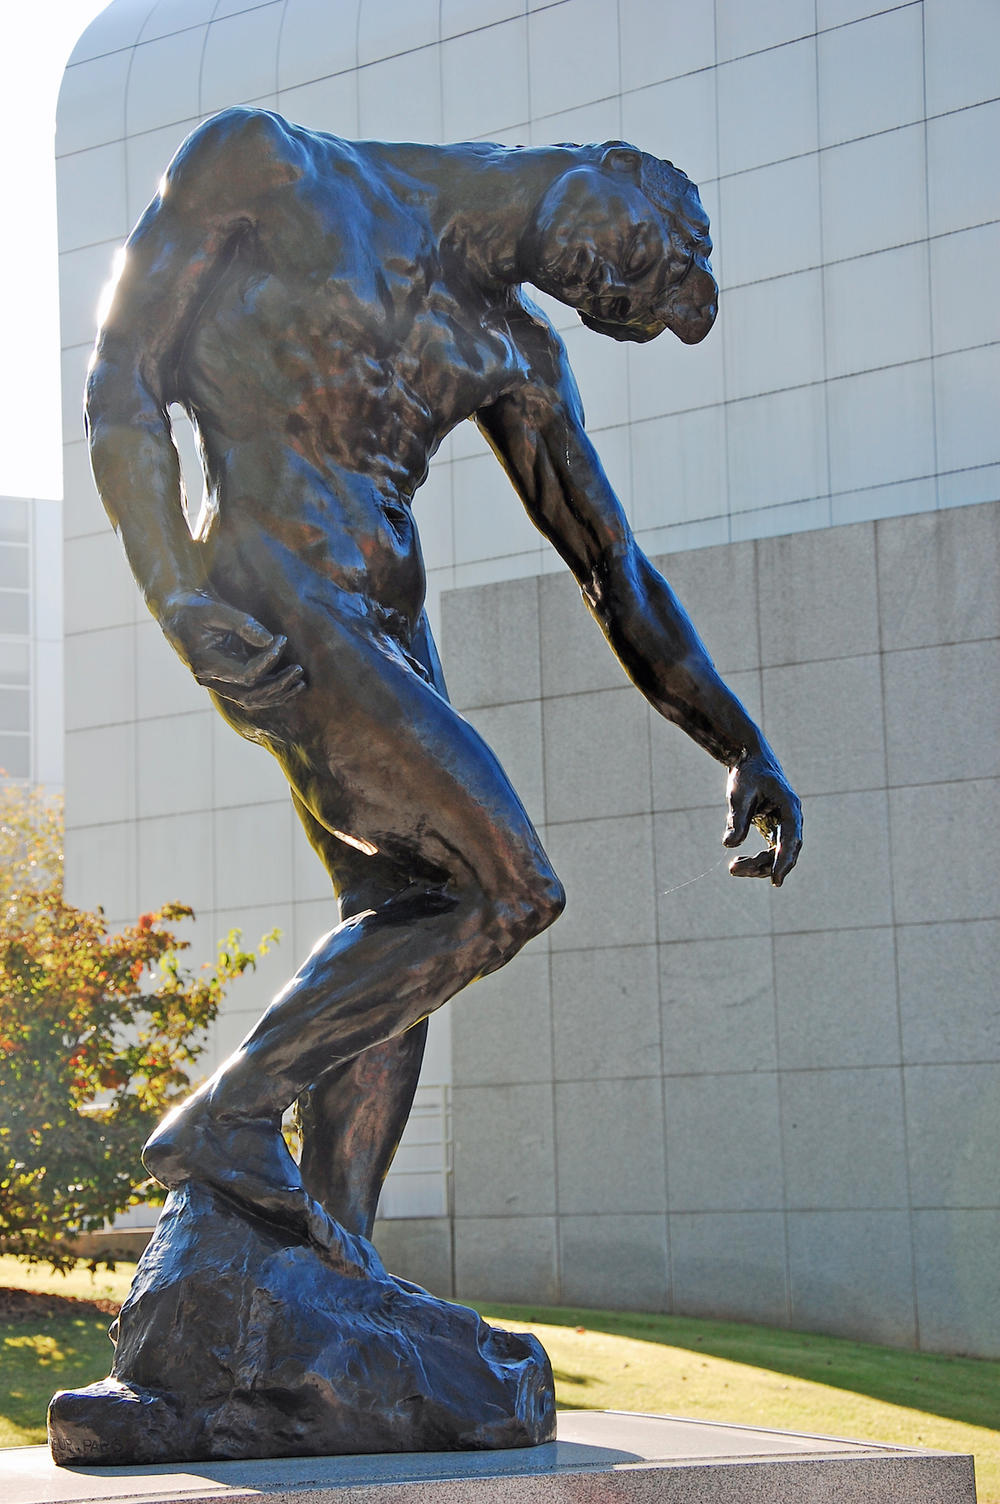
326,312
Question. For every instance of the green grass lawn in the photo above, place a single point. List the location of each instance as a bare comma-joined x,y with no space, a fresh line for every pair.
713,1370
36,1360
38,1357
106,1284
765,1376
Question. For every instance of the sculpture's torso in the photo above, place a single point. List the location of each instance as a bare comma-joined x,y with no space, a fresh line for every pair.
335,351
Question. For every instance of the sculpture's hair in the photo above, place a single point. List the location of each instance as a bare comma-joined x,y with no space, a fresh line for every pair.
663,183
665,186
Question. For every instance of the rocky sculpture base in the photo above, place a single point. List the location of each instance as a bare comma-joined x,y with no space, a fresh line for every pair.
236,1343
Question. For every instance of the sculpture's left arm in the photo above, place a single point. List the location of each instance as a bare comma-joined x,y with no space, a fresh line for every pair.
538,435
209,201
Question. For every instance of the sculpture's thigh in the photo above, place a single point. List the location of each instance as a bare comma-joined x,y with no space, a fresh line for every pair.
381,761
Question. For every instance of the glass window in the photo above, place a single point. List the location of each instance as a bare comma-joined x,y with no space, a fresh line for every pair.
13,566
15,663
13,519
15,711
15,756
14,614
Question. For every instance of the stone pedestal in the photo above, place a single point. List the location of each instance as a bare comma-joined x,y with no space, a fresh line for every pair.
607,1457
240,1341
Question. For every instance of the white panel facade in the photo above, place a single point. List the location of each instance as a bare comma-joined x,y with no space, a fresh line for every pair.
31,649
846,153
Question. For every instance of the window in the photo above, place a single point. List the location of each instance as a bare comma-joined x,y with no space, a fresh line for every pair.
15,756
15,617
15,629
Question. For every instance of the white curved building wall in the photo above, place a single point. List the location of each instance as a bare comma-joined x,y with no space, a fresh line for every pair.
846,153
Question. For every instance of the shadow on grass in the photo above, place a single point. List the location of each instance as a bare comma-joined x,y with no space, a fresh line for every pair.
961,1389
572,1386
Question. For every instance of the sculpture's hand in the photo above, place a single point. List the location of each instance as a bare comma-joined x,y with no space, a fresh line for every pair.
758,794
230,652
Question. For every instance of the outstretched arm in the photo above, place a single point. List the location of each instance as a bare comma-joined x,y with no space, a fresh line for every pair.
179,248
538,435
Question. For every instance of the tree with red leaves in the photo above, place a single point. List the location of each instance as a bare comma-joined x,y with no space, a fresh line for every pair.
99,1031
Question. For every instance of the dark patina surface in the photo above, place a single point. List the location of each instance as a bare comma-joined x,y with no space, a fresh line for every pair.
327,311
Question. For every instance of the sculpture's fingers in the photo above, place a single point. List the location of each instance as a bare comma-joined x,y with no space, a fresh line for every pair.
786,853
741,812
219,616
284,688
250,630
219,667
260,665
758,865
255,633
275,691
222,681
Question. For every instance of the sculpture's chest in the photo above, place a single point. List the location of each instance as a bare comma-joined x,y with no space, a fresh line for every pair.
458,358
356,309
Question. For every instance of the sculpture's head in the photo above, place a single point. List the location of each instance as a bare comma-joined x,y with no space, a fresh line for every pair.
623,238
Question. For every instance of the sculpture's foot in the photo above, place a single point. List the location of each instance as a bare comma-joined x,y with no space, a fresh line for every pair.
247,1160
116,1423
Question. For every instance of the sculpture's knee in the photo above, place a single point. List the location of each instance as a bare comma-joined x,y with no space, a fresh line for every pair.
525,913
548,902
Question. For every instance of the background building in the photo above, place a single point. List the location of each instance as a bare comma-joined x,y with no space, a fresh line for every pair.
31,683
693,1094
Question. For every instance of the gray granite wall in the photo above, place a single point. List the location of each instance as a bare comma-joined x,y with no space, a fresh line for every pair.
703,1096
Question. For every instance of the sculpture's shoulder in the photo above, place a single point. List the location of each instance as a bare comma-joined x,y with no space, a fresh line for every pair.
533,323
238,152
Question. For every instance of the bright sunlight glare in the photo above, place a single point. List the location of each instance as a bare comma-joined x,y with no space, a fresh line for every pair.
38,40
108,290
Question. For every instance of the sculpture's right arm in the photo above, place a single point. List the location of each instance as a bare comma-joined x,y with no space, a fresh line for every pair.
538,434
208,198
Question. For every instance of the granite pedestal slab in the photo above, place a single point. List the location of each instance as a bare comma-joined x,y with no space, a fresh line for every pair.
597,1458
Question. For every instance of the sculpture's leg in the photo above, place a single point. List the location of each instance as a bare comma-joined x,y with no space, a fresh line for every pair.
370,979
352,1119
382,756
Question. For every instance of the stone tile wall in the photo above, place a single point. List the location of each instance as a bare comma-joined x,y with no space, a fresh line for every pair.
704,1096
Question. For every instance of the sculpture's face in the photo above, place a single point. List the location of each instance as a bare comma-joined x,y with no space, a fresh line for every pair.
603,248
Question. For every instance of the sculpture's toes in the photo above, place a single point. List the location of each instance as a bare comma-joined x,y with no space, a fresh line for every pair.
113,1423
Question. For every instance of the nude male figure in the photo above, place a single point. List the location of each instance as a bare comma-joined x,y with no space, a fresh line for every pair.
326,312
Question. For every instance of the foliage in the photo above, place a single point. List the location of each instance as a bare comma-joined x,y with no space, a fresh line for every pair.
31,847
99,1031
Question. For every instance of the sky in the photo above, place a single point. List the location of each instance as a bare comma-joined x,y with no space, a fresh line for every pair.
38,40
